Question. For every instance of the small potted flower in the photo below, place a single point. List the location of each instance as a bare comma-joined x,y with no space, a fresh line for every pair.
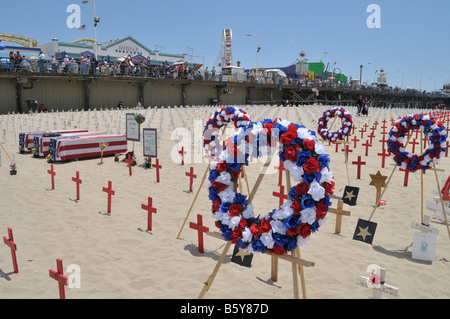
116,157
102,147
148,162
13,170
34,152
49,158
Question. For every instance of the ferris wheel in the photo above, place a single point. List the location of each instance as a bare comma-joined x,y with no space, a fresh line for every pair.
225,57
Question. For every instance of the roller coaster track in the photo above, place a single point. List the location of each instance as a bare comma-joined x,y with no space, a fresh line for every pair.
19,39
84,41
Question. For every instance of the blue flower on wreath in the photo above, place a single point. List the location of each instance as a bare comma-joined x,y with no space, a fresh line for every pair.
309,178
240,199
258,246
281,128
213,176
307,201
292,193
226,232
241,244
291,222
324,160
213,194
315,226
224,207
302,157
291,244
280,239
234,166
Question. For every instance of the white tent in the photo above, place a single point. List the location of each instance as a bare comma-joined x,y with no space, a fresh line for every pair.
277,71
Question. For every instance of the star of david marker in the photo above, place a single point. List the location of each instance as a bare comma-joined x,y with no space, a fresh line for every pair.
378,181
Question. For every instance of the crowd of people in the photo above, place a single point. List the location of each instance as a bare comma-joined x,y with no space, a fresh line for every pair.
125,67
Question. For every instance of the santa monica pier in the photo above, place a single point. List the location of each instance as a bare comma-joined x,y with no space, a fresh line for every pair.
83,75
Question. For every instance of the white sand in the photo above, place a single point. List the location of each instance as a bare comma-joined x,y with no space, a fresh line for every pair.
118,258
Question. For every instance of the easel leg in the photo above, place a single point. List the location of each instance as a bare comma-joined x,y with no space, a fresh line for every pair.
210,280
442,202
274,268
295,278
421,182
302,274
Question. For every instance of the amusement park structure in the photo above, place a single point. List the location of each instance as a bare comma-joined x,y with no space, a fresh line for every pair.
225,58
18,39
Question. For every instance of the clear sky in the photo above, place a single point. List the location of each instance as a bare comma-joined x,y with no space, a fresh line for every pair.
413,38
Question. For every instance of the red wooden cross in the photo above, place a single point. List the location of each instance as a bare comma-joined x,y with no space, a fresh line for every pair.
383,142
11,244
383,154
281,195
371,136
149,210
367,146
446,149
359,163
337,147
191,176
78,181
200,229
362,132
414,143
346,150
405,181
280,172
182,152
110,193
355,139
53,173
60,278
158,167
129,161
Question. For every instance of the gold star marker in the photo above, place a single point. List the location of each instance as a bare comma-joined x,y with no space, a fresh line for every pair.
242,253
349,195
364,232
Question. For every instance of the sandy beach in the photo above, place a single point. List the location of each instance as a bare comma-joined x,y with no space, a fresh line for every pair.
118,258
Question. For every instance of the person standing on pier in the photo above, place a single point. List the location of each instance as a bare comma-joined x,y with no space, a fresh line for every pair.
365,110
359,105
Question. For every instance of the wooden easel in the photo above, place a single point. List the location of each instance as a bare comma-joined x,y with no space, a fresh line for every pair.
294,256
205,174
345,152
421,179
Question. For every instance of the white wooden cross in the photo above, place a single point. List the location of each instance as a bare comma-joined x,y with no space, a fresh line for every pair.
436,207
376,281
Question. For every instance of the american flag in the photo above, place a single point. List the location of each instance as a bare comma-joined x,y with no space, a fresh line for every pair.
82,27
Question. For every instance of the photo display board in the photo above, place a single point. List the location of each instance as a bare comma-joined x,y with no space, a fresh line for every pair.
133,128
150,139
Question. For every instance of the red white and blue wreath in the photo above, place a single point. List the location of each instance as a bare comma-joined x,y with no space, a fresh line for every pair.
344,131
284,229
434,131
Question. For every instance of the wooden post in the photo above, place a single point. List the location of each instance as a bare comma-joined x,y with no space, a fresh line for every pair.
421,181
